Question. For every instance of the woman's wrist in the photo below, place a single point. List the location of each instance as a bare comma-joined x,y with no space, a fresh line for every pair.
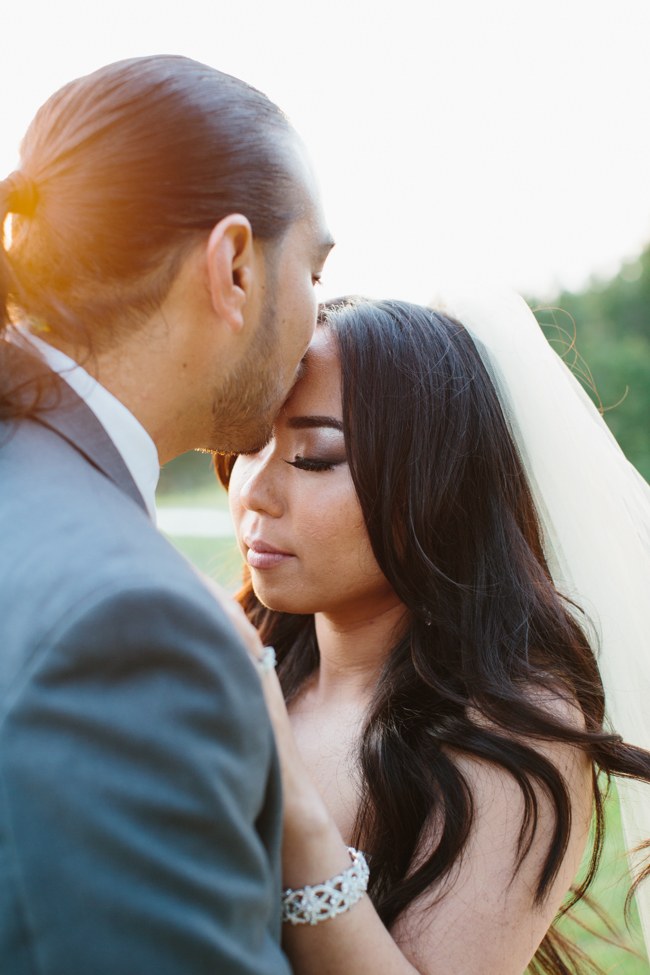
312,848
312,904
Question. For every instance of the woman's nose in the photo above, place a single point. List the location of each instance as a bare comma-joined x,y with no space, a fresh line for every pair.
259,490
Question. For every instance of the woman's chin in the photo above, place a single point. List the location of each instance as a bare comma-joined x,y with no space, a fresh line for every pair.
285,603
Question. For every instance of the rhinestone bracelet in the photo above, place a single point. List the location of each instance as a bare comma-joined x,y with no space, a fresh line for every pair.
311,904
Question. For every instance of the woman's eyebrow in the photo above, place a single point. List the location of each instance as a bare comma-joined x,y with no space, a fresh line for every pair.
305,422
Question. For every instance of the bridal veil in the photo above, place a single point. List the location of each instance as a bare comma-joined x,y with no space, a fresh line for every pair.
594,510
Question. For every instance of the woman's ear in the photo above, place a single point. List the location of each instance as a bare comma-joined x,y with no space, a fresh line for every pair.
231,268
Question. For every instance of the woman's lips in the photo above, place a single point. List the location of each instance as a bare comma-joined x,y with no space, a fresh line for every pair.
261,555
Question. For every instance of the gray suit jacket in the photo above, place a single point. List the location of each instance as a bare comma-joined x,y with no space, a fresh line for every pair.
139,790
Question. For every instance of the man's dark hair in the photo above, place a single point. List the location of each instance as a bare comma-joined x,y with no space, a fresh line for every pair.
126,168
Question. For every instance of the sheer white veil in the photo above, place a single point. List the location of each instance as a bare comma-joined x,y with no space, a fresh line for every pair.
594,509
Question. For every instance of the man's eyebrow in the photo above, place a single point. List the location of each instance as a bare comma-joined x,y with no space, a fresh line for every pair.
308,422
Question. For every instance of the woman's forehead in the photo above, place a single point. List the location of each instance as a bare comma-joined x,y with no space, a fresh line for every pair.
319,388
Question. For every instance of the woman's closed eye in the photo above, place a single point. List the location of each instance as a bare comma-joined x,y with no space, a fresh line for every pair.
315,463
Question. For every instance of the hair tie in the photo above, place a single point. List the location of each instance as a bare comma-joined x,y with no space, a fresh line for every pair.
18,194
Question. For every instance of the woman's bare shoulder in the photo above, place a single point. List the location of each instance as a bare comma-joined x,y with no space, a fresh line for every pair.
484,916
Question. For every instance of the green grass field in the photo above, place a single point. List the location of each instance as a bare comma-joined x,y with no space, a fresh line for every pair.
609,891
217,557
220,559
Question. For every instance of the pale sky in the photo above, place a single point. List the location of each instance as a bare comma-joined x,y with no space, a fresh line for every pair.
507,138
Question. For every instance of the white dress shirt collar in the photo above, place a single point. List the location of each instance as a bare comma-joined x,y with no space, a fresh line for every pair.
132,441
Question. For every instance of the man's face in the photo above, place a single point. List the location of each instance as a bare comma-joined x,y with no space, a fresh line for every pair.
256,389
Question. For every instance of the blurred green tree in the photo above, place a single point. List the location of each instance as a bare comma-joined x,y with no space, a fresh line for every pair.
608,323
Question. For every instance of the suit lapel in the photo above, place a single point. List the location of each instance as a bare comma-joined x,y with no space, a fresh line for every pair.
77,424
62,411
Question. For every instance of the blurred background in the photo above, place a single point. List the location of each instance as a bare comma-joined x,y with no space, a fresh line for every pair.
507,141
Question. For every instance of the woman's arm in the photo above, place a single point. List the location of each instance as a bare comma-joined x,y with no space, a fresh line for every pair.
482,919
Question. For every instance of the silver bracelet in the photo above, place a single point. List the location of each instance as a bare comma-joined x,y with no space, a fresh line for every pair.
309,905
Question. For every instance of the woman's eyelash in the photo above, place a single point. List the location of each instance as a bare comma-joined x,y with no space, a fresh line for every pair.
310,464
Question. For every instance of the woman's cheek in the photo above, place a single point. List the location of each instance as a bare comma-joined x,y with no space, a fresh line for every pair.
234,505
336,527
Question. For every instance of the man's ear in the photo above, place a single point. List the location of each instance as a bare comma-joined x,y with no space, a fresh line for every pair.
231,268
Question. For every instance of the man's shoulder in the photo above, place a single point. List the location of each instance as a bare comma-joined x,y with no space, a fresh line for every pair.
61,516
76,548
67,528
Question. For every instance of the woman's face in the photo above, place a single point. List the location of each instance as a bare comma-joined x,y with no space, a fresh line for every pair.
297,517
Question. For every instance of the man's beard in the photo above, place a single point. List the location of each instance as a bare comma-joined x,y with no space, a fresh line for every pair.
246,405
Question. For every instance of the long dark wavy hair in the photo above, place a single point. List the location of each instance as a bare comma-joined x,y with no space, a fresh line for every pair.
454,529
121,172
